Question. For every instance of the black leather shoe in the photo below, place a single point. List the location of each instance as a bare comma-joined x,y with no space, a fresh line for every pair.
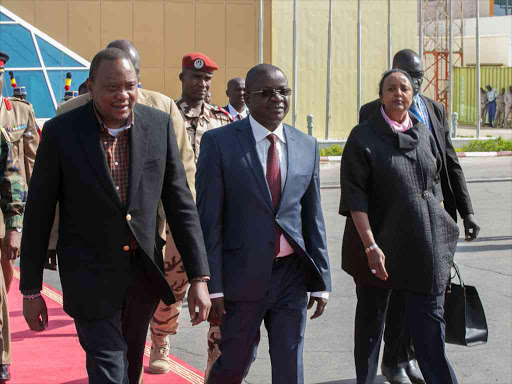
4,373
414,372
395,374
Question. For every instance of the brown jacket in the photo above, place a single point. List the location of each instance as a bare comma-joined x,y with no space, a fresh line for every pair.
158,101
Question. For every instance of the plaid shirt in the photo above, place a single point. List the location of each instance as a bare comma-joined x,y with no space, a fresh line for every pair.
117,150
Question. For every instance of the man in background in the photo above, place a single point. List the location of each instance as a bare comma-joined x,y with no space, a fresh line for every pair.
499,122
484,106
200,117
508,108
196,77
492,94
236,94
19,140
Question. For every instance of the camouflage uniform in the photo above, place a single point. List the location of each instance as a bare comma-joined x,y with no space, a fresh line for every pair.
18,144
196,125
19,139
210,117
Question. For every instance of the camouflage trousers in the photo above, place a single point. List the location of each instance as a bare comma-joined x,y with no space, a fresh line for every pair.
213,348
165,320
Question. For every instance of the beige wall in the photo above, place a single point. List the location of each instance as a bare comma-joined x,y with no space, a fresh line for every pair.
162,30
312,62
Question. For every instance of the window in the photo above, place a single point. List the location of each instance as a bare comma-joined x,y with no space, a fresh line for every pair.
39,64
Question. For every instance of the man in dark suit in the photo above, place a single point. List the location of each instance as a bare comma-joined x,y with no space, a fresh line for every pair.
108,164
258,195
236,94
398,363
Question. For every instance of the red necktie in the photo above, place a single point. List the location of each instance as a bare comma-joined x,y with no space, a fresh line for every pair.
274,182
239,117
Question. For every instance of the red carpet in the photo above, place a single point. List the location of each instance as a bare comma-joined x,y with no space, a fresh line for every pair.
55,355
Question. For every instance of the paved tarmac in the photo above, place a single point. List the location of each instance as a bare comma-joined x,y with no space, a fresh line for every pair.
485,263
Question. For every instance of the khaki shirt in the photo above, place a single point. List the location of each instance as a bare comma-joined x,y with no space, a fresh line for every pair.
196,125
163,103
19,139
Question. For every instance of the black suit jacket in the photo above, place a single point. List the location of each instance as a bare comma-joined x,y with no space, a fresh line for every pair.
455,192
94,224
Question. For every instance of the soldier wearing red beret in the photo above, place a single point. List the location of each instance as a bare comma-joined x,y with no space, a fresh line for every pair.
196,77
199,117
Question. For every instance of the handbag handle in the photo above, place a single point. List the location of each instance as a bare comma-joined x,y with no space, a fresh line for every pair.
457,273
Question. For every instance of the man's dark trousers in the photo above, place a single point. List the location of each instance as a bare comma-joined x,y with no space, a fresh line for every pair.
115,346
424,314
284,312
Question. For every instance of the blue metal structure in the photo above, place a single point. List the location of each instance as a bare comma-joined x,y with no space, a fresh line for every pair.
39,62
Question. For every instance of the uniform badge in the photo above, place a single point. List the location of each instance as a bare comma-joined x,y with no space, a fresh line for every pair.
198,63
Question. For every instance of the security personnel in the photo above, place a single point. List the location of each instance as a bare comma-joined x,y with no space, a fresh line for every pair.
199,116
18,145
68,95
19,93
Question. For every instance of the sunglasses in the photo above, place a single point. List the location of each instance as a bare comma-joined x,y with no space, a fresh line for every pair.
268,93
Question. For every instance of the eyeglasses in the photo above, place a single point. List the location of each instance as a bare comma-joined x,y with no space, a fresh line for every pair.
268,93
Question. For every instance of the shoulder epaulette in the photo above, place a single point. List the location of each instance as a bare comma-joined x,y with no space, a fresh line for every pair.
226,113
15,99
7,103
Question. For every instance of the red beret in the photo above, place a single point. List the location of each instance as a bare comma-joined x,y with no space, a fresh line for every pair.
198,62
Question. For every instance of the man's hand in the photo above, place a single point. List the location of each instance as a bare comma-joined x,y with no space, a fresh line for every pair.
376,262
198,297
35,313
51,260
217,311
471,227
11,244
321,303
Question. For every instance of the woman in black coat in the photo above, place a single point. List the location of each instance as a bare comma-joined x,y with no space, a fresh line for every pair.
397,236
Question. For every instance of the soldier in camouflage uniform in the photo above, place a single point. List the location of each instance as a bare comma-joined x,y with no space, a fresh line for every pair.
18,143
199,117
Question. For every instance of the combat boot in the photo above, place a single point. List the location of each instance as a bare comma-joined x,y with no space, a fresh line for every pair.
159,361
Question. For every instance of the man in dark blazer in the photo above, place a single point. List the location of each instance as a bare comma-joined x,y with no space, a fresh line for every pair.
258,195
398,363
108,164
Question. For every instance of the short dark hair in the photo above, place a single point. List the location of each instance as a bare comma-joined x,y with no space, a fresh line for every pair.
127,47
83,85
254,74
390,72
108,54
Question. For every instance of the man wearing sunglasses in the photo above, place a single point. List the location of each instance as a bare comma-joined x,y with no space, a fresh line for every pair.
258,196
398,363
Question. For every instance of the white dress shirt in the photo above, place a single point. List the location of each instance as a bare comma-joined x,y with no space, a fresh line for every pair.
262,145
234,113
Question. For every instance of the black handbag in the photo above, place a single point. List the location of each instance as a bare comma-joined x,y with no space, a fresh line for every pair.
464,314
